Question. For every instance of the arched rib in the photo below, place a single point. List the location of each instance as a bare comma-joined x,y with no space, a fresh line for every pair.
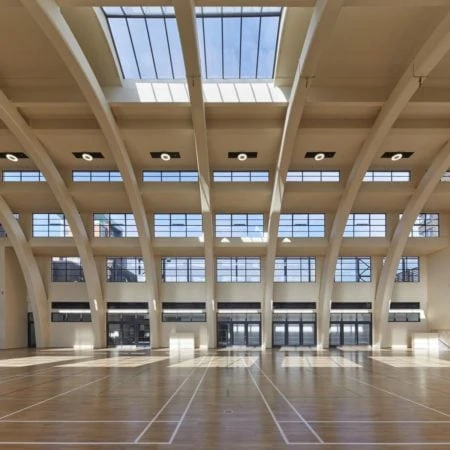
433,50
48,16
413,208
31,274
37,152
321,25
185,16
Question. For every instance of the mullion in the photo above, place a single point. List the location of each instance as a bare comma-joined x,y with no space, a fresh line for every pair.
132,46
168,47
151,47
258,47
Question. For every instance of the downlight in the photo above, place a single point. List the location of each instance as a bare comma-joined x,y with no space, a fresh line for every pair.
165,157
12,157
396,157
87,157
319,156
242,157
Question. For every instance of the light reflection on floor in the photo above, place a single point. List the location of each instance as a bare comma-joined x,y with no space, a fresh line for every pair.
218,361
317,361
411,361
119,361
36,360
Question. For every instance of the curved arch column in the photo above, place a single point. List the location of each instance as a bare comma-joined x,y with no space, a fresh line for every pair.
31,274
430,54
321,25
413,208
37,152
47,15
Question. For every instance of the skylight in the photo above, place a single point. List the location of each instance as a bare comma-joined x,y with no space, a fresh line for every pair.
234,42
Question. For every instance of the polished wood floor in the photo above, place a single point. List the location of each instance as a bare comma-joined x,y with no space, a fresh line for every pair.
236,399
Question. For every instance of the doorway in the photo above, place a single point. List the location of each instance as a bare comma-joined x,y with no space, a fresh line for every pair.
350,329
294,330
128,330
238,329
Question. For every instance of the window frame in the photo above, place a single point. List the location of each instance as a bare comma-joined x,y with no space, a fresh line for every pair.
183,264
170,176
164,223
120,271
295,274
237,265
65,270
286,229
49,227
353,228
358,274
129,226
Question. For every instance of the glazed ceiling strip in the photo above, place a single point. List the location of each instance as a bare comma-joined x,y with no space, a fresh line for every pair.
431,53
31,273
185,16
414,207
37,152
48,16
322,21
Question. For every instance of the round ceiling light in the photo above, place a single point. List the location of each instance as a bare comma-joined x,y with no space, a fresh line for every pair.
165,156
87,157
242,157
12,157
319,156
396,157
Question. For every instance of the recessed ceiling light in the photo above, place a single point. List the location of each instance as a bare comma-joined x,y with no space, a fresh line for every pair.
319,156
87,157
242,157
396,157
12,157
165,156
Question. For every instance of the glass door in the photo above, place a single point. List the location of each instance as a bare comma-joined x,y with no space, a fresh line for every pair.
308,334
279,334
293,334
239,334
348,334
223,334
253,334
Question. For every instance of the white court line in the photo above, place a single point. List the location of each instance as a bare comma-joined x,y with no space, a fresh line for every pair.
368,421
280,429
85,421
149,424
310,428
174,434
401,397
52,398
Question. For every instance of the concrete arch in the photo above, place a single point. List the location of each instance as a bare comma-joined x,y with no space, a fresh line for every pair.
321,25
417,201
47,15
31,274
433,50
185,16
37,152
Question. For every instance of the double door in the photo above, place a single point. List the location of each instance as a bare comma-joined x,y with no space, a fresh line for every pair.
238,333
351,332
293,334
128,330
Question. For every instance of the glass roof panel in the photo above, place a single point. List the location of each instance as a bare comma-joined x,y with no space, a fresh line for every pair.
234,42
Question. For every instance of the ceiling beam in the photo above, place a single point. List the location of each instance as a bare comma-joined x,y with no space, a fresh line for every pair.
433,50
31,274
322,21
47,15
185,16
399,240
37,152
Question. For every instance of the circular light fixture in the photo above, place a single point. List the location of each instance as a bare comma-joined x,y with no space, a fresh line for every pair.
165,156
242,157
319,156
12,157
396,157
87,157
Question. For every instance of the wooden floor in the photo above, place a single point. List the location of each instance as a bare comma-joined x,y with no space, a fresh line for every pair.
270,399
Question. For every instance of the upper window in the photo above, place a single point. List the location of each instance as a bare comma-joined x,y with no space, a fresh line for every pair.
351,269
365,225
96,176
446,176
183,270
169,176
301,225
2,229
23,176
307,176
389,176
67,269
408,270
239,225
234,42
238,270
125,270
51,225
295,270
114,225
426,225
178,225
238,176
